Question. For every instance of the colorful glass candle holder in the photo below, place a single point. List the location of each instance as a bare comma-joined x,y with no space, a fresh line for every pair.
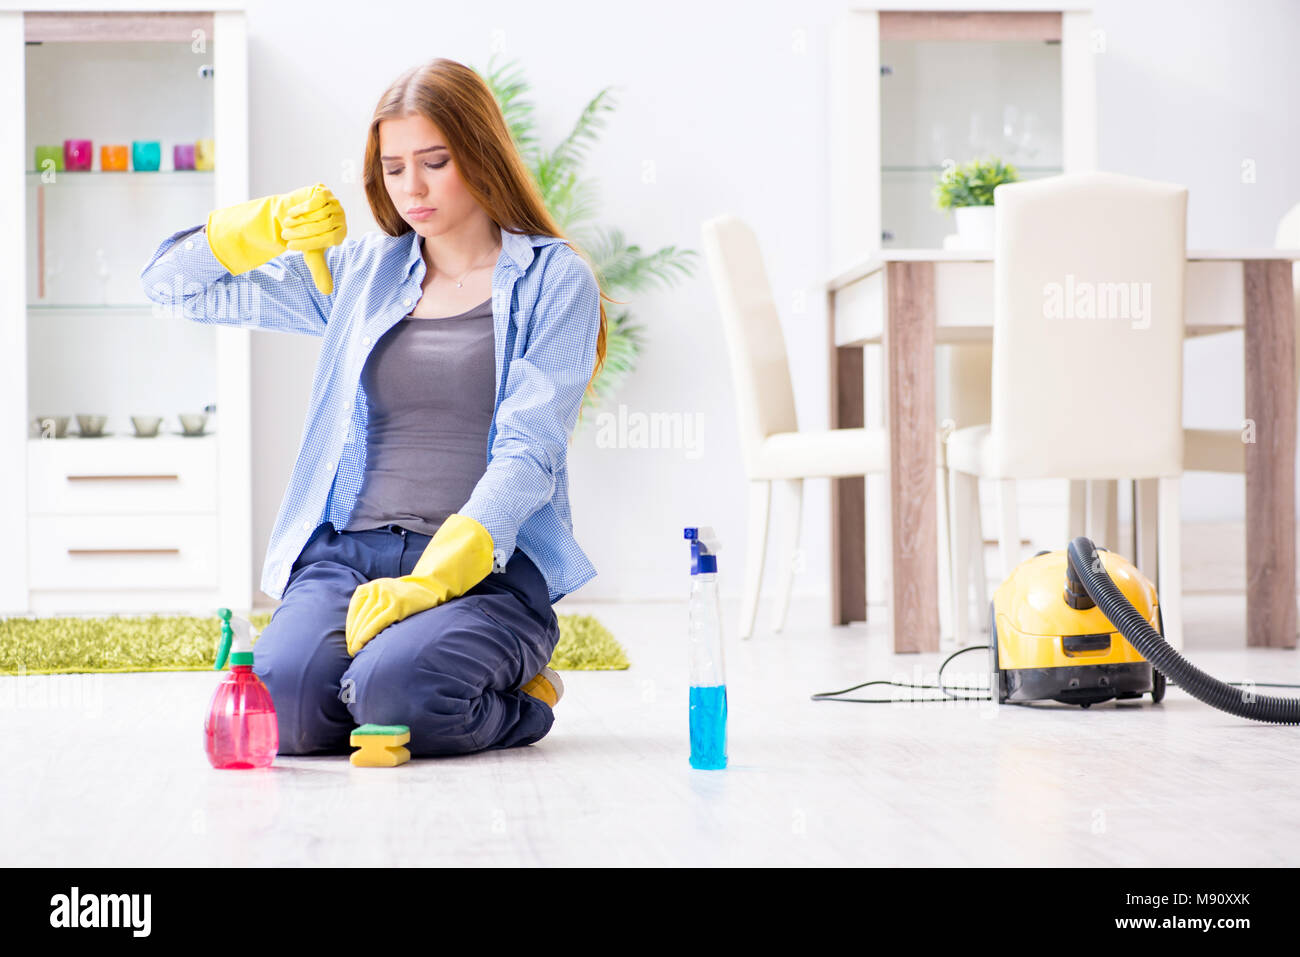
146,154
204,151
77,154
183,156
112,157
52,154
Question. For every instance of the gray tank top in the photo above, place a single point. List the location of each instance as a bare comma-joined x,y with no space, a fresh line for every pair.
430,390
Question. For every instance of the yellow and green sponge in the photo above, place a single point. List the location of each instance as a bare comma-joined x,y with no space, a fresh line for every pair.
380,745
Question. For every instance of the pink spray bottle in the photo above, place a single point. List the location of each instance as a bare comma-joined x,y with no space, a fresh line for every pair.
241,730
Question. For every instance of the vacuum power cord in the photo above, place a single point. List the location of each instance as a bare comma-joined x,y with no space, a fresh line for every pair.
986,696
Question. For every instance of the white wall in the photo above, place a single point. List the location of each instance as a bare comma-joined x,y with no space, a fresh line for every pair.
727,104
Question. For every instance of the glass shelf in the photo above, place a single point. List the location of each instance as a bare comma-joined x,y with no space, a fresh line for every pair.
121,173
936,170
122,437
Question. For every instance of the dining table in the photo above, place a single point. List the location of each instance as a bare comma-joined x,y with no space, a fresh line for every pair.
908,301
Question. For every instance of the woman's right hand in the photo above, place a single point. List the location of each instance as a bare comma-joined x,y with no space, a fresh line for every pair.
248,234
310,226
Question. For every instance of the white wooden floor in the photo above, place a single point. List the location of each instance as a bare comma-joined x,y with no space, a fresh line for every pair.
110,771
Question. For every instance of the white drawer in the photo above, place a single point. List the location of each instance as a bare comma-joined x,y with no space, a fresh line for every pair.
121,475
121,551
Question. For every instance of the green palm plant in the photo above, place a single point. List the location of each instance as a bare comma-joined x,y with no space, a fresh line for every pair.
622,268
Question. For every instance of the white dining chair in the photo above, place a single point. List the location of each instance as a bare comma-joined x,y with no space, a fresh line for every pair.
1222,450
1087,360
776,451
1218,450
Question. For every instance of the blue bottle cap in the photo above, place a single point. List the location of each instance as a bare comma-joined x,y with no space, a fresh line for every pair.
703,560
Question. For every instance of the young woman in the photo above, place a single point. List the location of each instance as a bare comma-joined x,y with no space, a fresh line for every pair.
426,531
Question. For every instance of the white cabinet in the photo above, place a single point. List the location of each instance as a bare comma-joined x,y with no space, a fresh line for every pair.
118,523
915,86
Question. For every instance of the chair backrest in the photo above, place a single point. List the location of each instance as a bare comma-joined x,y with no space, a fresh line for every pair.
1288,237
1088,327
760,369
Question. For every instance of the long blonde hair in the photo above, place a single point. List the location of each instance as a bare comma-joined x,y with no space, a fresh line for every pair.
456,100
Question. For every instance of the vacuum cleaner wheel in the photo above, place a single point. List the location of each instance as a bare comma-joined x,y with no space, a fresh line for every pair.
1157,679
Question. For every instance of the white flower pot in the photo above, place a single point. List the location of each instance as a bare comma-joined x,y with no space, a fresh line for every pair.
975,226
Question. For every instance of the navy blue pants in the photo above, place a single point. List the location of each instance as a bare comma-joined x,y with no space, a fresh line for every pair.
451,672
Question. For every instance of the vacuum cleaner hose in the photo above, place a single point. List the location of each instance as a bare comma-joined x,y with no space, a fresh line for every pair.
1151,646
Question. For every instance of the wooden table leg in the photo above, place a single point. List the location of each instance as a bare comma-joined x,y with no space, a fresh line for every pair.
1270,458
910,415
848,495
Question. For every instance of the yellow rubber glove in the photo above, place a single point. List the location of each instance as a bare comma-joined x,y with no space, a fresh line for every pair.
457,558
248,234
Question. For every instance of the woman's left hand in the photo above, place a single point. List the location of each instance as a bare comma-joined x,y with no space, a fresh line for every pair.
457,558
379,603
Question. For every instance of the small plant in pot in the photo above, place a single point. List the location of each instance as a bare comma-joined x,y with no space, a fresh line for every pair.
967,189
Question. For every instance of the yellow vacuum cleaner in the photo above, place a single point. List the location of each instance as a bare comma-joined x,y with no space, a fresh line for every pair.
1083,625
1049,641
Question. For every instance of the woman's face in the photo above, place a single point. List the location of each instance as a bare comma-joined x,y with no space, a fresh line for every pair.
420,176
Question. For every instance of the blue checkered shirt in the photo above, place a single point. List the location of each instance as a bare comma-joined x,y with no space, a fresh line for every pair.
546,317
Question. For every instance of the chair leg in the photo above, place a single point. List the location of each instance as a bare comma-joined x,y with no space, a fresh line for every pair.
1110,525
1146,520
790,512
880,547
1169,592
1077,522
946,553
760,495
960,559
1101,513
1008,527
978,569
1130,543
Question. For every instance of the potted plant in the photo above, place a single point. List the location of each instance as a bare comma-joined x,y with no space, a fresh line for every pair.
967,189
622,267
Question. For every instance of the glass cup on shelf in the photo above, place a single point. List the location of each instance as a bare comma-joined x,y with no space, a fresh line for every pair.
146,426
940,145
1027,141
978,140
112,156
53,155
77,154
50,426
205,151
146,155
91,426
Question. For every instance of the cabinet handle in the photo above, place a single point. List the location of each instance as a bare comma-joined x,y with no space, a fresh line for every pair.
113,478
124,551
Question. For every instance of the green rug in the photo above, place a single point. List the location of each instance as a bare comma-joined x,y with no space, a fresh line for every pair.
47,646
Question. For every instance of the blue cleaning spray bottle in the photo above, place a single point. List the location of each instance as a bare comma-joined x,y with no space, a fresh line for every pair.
708,682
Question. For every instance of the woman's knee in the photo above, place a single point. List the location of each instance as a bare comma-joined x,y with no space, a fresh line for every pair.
301,665
385,683
310,623
295,644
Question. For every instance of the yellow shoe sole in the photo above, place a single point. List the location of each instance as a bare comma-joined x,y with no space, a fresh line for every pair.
545,686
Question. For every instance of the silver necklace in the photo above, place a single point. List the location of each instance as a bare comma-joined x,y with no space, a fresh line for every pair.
496,252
